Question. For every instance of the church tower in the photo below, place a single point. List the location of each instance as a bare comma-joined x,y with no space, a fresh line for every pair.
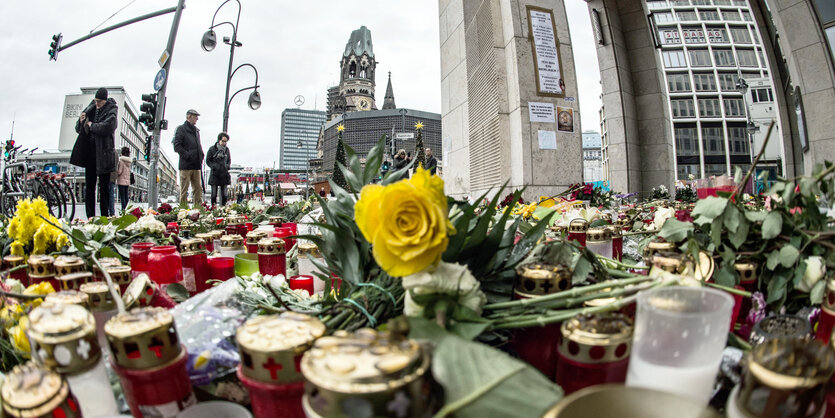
388,100
356,80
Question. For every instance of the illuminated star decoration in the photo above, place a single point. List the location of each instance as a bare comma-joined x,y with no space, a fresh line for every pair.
419,125
340,128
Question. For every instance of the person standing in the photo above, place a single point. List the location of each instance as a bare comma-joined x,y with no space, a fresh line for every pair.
431,162
102,128
84,155
187,145
400,162
219,160
123,176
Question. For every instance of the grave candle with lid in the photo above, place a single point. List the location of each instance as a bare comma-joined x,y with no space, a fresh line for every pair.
379,373
252,239
594,350
64,339
150,362
12,261
42,269
101,304
195,265
271,348
31,390
577,229
231,245
272,259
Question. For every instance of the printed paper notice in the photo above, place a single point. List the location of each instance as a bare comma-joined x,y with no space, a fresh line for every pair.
547,140
545,48
541,112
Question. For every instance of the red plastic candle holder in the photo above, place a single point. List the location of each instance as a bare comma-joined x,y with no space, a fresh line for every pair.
594,350
221,268
283,232
827,316
165,266
302,281
139,253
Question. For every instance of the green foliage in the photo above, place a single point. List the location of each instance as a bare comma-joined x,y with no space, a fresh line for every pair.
338,176
686,194
420,153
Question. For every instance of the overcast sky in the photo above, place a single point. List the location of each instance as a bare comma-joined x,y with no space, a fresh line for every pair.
296,46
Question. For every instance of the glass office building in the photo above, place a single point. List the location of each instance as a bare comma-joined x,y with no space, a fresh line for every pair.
299,136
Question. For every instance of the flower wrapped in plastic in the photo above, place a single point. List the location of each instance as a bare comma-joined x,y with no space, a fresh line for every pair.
31,229
148,224
448,279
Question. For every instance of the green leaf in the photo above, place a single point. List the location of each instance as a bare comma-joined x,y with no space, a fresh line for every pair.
109,253
124,221
710,208
373,160
739,237
716,232
481,381
177,292
773,260
772,225
675,230
799,271
756,215
788,255
776,287
737,175
732,218
725,276
807,186
468,330
816,294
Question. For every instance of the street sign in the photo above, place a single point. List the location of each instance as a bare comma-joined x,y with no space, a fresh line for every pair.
163,58
159,80
404,135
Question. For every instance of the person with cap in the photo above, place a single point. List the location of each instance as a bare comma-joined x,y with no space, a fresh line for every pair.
187,145
101,127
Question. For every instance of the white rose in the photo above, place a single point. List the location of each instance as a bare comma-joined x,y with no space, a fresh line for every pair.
815,269
661,216
450,278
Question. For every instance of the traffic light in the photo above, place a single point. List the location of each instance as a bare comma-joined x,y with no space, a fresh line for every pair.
148,147
9,147
55,46
148,109
385,168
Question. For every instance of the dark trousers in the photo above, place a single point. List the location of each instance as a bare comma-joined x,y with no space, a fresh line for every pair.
222,195
104,194
123,196
90,191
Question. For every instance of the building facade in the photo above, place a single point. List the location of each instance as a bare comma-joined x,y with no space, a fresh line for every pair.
710,51
300,131
592,157
129,133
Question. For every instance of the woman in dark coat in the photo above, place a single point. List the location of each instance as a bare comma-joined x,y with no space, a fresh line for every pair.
219,160
84,156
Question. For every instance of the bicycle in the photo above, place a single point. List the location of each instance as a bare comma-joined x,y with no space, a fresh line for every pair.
21,180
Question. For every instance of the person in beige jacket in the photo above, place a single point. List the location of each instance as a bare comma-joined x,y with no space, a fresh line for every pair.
123,176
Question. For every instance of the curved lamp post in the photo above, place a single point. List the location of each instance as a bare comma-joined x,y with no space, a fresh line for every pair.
208,43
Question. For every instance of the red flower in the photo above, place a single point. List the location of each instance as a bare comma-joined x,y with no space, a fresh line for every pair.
684,216
164,208
137,212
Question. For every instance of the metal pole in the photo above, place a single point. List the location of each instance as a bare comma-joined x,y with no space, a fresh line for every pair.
117,26
153,189
229,72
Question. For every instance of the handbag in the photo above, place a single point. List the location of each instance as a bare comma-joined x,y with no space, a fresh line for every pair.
132,179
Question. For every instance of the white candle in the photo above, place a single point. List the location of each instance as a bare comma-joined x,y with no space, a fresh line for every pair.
93,391
693,382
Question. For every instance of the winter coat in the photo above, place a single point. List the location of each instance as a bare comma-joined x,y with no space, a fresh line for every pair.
431,164
102,133
84,151
400,163
219,160
123,172
187,144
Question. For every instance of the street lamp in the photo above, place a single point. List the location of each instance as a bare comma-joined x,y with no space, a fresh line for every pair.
254,100
208,43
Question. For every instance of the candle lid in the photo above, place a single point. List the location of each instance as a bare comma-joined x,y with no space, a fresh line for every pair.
747,271
189,247
578,225
670,262
536,279
68,297
205,236
64,337
67,264
270,344
106,262
73,281
41,266
660,246
271,246
786,363
139,292
364,362
120,275
99,297
596,338
33,391
143,338
233,240
277,220
235,220
217,233
598,234
13,260
310,249
252,237
615,230
780,327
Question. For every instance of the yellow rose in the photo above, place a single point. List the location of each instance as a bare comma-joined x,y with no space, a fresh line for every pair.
18,334
406,222
42,288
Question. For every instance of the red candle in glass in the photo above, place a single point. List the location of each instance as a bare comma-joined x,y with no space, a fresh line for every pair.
577,229
272,259
252,239
748,281
538,345
248,226
594,350
293,227
195,265
283,232
302,281
165,266
21,275
172,228
827,316
617,241
139,257
222,268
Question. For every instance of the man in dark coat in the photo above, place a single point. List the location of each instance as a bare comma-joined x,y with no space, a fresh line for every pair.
84,156
219,160
431,162
187,145
102,127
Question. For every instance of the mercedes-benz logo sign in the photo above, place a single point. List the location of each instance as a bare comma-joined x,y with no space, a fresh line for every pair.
299,100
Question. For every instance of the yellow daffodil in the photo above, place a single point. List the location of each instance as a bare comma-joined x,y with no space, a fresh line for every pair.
42,288
18,336
406,222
